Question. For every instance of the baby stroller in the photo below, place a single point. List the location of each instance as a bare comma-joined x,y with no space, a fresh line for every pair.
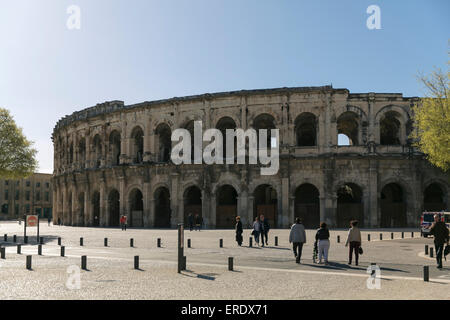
315,251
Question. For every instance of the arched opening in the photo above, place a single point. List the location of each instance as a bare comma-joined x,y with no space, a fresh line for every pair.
81,209
223,124
96,209
114,147
82,152
265,203
136,203
164,142
114,208
97,150
192,202
390,128
264,121
162,208
393,207
305,130
307,205
137,146
347,125
226,207
349,205
434,198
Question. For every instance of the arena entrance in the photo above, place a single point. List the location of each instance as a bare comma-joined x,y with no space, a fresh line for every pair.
226,209
307,205
349,205
162,208
393,207
265,203
96,209
433,198
192,203
114,208
136,208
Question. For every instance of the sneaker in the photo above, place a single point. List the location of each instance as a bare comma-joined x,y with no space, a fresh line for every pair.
439,266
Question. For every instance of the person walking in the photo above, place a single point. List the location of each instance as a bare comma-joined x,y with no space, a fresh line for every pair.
297,237
239,230
198,222
441,236
323,242
123,222
354,240
191,221
265,229
256,229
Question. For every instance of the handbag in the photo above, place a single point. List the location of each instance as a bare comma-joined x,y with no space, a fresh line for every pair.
253,232
360,250
446,251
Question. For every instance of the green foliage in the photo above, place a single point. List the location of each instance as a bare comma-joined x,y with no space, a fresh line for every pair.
432,120
17,157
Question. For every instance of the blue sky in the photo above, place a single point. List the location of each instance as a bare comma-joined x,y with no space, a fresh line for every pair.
143,50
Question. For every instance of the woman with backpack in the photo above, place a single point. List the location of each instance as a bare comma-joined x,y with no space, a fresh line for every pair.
323,239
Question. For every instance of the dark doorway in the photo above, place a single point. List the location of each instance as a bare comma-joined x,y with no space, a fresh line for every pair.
96,209
192,202
393,207
307,205
114,208
226,209
136,208
433,198
349,205
162,208
265,203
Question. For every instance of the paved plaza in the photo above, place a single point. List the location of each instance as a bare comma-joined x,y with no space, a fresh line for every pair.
259,273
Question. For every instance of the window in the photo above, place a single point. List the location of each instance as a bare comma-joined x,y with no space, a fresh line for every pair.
6,182
17,183
5,208
47,185
27,208
47,197
16,210
38,184
28,183
27,195
38,196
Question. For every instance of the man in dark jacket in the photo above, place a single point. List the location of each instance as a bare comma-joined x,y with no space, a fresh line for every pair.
264,229
441,236
191,221
239,230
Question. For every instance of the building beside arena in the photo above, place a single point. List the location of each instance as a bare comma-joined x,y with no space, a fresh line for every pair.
114,159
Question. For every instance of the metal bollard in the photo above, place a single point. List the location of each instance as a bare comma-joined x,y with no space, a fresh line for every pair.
221,243
338,239
412,234
63,251
392,235
25,239
14,238
40,249
250,242
41,240
230,263
189,243
59,241
381,236
426,249
131,242
5,237
3,252
29,262
84,262
403,235
158,242
136,262
106,242
368,237
81,241
19,249
426,273
431,252
276,241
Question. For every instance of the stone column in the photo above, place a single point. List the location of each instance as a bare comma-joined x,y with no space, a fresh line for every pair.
206,203
74,217
291,210
65,204
284,217
147,199
250,204
123,210
212,216
176,205
103,199
330,210
87,206
372,219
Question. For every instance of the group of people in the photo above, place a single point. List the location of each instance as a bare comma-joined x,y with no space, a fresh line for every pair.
195,222
260,230
297,237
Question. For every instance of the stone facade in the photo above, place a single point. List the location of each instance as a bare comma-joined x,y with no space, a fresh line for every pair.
113,159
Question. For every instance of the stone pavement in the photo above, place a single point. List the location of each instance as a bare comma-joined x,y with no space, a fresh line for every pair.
259,273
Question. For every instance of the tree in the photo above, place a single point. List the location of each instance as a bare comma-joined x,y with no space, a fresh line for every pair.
432,120
17,157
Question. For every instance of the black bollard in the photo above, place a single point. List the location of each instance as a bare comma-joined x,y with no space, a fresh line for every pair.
276,241
41,240
338,239
403,235
106,242
25,239
136,262
230,263
14,238
381,236
84,262
81,241
221,243
392,235
250,242
158,242
40,249
431,252
29,262
3,253
368,237
59,241
131,242
426,273
189,243
412,234
19,249
426,249
5,237
63,251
